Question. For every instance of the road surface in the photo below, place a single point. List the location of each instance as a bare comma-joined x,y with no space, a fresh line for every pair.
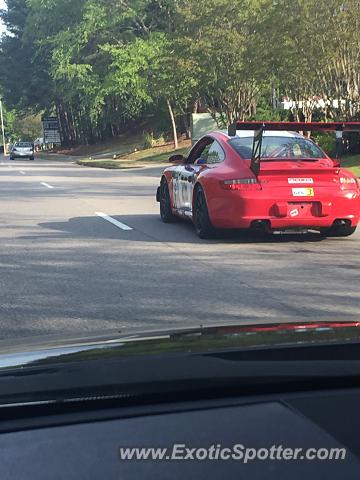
65,268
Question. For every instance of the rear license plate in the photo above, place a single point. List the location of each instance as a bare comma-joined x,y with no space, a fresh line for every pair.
303,192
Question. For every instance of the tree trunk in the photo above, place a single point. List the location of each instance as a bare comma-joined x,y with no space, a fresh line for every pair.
186,126
63,125
173,123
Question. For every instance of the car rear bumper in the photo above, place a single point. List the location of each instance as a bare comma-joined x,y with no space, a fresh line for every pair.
237,210
21,155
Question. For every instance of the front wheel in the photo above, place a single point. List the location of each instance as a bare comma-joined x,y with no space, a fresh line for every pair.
202,222
166,213
31,158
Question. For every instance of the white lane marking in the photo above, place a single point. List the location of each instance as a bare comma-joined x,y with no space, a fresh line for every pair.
9,166
44,184
22,172
113,221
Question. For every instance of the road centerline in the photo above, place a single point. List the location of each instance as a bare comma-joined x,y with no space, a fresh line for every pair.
109,219
44,184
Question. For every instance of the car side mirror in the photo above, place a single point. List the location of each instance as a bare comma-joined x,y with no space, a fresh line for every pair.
177,159
336,162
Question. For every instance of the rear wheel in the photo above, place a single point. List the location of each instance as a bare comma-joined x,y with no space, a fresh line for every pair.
166,213
31,158
12,158
202,222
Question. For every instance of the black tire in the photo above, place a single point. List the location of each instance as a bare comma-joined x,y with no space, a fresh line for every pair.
31,158
337,231
12,158
202,222
166,213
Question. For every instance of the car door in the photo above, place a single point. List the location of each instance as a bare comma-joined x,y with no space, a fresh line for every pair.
184,176
205,155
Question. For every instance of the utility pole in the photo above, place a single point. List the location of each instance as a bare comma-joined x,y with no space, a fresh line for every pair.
2,125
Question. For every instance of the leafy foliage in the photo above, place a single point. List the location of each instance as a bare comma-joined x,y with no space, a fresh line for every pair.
104,66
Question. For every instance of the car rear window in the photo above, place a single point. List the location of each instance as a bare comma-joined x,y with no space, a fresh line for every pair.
24,144
279,147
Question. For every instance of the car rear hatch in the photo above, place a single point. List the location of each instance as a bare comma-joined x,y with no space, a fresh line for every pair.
24,149
300,188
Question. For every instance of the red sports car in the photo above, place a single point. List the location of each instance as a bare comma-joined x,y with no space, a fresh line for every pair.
265,177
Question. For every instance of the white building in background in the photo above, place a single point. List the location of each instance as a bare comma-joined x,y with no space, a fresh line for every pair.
315,102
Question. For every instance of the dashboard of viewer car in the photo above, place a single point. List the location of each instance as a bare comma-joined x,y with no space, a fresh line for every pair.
84,441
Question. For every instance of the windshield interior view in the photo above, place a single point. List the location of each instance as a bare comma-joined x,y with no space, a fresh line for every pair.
179,239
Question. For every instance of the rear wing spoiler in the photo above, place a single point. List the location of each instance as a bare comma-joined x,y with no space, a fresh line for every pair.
260,127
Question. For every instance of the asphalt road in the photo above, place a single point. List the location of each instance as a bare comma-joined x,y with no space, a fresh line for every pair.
65,269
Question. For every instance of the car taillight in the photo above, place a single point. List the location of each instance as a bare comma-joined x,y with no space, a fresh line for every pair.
349,183
241,184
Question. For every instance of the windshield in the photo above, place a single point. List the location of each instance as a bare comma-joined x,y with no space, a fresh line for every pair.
125,205
276,147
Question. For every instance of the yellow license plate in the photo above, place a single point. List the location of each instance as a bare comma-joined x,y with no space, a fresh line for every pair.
303,192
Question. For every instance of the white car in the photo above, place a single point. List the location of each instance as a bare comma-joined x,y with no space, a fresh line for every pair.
22,150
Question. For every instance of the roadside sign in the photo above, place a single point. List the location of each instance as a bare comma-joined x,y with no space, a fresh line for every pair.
51,130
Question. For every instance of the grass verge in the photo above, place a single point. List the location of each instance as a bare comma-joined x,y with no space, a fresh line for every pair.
108,164
352,163
152,156
160,155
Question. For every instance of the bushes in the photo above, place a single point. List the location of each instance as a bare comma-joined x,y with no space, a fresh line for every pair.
352,140
326,141
151,141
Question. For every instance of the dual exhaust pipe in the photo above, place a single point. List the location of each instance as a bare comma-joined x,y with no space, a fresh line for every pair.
264,226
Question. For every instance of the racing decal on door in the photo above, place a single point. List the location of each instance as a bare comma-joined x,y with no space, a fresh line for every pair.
176,186
183,184
303,192
293,181
184,191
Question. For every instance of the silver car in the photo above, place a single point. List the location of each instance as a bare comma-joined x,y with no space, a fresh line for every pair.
22,150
